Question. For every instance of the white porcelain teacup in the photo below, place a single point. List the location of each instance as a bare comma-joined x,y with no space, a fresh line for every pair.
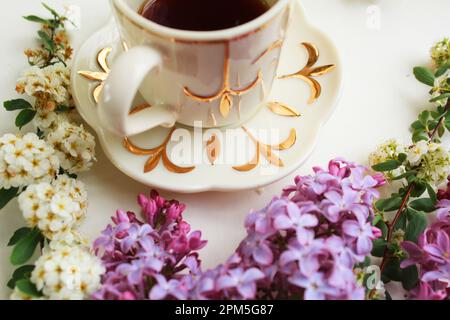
216,78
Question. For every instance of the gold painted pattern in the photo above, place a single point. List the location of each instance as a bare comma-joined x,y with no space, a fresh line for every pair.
100,76
283,109
213,148
309,71
267,151
226,93
275,45
156,154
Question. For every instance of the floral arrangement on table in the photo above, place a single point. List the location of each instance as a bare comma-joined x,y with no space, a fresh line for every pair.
40,168
319,239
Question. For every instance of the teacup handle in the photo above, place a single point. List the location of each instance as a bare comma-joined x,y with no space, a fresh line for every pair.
120,89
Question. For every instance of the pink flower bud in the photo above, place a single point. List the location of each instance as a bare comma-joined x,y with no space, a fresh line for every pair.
380,178
377,232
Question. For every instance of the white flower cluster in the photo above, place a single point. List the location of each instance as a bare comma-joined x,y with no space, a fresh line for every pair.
440,52
388,151
25,160
431,160
67,272
56,208
74,146
52,80
48,121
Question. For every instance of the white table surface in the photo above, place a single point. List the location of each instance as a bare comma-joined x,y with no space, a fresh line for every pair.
380,99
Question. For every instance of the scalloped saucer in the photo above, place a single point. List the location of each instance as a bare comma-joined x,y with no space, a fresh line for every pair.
151,157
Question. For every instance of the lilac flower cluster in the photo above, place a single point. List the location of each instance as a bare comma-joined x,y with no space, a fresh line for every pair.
138,255
303,245
432,254
308,242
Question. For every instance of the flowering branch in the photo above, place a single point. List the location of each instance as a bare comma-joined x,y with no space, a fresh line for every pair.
422,167
407,196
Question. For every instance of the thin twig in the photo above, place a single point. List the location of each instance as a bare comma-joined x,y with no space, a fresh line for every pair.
392,225
441,121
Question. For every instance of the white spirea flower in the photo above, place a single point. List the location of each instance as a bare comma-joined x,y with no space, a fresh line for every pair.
67,272
26,160
416,152
431,161
75,146
68,238
56,208
48,121
53,80
388,151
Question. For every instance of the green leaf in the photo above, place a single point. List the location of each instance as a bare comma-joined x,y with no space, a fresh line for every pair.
18,235
405,175
392,270
441,97
6,195
388,165
24,117
410,277
47,41
376,219
52,11
435,115
23,272
390,204
423,117
27,287
17,104
62,108
383,227
11,283
401,222
447,123
424,75
441,131
432,193
37,19
417,224
379,246
425,204
25,248
417,125
402,157
419,135
40,133
442,69
419,189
